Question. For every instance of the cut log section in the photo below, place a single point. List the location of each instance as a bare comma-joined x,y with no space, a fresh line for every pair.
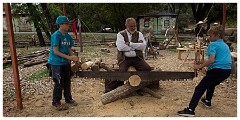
87,65
134,80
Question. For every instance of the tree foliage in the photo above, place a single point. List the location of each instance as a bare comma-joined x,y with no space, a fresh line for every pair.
96,16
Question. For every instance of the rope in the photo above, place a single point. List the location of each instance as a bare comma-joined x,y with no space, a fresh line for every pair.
89,30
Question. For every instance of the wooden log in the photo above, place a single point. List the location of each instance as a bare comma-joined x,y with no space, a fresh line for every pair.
98,61
120,92
83,60
31,63
134,80
104,66
95,67
131,68
75,66
87,65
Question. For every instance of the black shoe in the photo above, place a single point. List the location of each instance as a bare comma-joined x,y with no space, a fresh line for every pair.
205,102
71,102
58,106
186,112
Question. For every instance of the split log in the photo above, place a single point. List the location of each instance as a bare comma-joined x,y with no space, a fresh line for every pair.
87,65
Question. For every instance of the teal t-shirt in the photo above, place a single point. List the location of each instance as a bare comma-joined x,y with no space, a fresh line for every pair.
64,42
222,54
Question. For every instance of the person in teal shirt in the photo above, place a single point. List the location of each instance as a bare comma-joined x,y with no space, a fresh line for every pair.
219,68
59,59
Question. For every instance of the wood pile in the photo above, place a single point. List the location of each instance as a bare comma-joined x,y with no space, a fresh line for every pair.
31,59
93,65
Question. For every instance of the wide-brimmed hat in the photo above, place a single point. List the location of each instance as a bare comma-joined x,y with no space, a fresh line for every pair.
200,22
62,20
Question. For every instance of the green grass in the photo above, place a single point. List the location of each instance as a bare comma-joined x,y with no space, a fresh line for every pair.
38,74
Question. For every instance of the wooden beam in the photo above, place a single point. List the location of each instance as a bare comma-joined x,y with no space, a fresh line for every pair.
80,34
13,55
224,15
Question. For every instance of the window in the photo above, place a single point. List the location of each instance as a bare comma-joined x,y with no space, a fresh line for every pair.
146,23
166,23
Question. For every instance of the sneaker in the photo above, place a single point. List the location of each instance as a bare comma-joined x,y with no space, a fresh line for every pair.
205,102
71,103
58,106
186,112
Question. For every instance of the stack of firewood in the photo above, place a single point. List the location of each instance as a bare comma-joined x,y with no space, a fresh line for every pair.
31,59
88,64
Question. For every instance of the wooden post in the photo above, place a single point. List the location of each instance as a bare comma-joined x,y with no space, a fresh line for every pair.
13,55
224,16
80,36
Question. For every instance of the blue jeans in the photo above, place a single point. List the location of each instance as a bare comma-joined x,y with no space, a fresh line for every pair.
213,78
61,75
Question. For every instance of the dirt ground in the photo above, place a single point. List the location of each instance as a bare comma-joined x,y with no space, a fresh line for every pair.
175,95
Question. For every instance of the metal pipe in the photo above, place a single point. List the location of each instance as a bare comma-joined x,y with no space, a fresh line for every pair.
13,55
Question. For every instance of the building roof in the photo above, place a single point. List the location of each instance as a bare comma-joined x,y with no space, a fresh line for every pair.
157,14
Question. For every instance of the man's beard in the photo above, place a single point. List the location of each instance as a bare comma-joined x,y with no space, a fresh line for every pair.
132,31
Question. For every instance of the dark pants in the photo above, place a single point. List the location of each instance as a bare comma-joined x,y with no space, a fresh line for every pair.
139,64
213,78
61,75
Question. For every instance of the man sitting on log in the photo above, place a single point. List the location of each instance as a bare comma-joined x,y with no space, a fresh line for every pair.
130,45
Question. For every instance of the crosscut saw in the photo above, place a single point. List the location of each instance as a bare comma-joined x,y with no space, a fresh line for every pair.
144,75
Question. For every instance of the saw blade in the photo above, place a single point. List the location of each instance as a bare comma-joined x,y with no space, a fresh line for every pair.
144,75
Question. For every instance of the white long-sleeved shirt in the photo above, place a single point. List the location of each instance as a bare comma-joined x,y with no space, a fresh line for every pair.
129,51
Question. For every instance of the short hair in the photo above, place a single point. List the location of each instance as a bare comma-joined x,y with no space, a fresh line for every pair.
217,30
128,20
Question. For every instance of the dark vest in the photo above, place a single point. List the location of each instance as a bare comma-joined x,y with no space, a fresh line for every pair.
135,36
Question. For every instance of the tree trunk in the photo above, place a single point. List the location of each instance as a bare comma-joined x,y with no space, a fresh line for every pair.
40,37
48,16
32,10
